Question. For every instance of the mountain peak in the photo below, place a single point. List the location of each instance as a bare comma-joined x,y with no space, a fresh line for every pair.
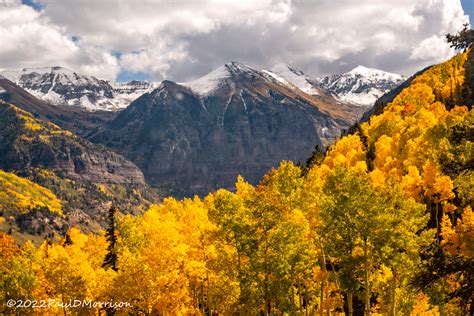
282,67
372,72
237,68
296,77
48,70
362,85
360,70
211,81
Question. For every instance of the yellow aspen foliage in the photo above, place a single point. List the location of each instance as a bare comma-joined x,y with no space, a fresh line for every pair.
385,153
73,270
423,307
459,239
377,177
19,195
165,269
348,152
412,183
437,186
8,247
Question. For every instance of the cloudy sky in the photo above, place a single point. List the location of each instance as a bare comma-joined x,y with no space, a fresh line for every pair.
184,39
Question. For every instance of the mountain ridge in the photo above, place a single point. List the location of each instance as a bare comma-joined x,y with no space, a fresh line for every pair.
61,86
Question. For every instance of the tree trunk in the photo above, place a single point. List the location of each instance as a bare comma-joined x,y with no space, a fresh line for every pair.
300,299
349,303
366,279
323,283
268,306
393,307
438,229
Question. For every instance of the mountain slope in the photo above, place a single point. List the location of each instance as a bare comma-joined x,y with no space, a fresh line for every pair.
298,78
20,194
85,176
28,142
28,209
235,120
76,120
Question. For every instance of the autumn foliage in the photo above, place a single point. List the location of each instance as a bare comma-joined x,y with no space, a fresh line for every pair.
383,224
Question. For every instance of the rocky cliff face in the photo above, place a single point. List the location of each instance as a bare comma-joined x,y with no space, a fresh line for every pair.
26,142
235,120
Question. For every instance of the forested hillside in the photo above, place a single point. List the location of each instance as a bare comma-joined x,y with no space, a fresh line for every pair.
84,177
382,223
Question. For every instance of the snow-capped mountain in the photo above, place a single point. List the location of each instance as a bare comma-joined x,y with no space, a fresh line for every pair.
227,73
235,120
61,86
361,86
127,92
216,78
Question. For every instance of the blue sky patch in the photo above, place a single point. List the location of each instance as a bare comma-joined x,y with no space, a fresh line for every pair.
126,76
468,6
34,4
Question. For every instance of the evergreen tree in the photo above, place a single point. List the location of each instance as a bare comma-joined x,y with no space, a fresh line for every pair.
467,91
316,158
110,260
67,240
463,39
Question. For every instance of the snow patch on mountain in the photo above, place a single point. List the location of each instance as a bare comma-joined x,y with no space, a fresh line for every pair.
296,77
210,82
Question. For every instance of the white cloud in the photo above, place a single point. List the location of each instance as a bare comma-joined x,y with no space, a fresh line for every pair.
183,39
29,39
432,48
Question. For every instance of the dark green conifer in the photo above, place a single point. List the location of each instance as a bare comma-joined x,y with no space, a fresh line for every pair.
110,260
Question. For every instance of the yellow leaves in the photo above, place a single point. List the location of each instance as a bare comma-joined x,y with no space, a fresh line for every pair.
32,126
74,271
417,95
412,183
102,188
347,152
170,258
456,115
377,177
385,153
437,186
8,248
446,78
243,188
20,195
423,307
459,239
